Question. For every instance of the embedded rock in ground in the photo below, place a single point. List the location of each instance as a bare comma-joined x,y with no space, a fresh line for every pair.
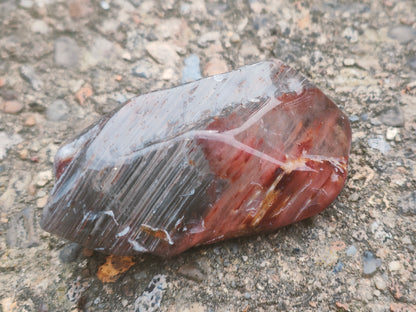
229,155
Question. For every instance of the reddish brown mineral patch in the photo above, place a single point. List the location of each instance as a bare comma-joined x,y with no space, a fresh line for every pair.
114,266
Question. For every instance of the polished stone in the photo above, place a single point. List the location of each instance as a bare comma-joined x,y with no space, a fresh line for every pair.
234,154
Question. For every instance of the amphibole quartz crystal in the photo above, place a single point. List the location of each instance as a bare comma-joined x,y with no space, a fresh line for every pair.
234,154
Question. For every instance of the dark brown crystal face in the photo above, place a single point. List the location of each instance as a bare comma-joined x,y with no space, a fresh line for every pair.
242,152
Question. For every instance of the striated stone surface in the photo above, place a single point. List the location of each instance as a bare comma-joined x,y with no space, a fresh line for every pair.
229,155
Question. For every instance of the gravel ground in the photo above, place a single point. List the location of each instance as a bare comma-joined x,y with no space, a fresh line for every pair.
65,63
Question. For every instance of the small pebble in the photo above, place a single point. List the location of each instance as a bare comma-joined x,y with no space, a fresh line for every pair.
23,154
359,235
393,117
7,141
379,144
193,272
391,133
349,62
351,251
354,197
43,178
104,5
215,66
11,107
124,302
354,118
57,110
40,27
350,34
41,202
235,38
30,121
191,70
168,74
66,52
260,287
408,204
402,34
84,93
394,266
162,52
380,283
27,4
80,8
185,9
370,263
338,267
43,307
412,63
208,38
140,71
28,74
69,253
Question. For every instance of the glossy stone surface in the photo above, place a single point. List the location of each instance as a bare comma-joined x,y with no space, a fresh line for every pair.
234,154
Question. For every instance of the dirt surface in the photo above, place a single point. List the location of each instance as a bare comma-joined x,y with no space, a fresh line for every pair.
65,63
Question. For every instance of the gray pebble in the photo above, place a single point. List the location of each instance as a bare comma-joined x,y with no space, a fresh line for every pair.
21,230
354,197
102,50
351,251
58,110
403,34
66,52
7,141
28,74
12,232
359,235
27,4
104,5
28,223
208,38
379,144
193,272
370,263
247,295
408,204
412,63
40,27
185,9
393,116
143,69
140,71
191,70
350,34
69,253
354,118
